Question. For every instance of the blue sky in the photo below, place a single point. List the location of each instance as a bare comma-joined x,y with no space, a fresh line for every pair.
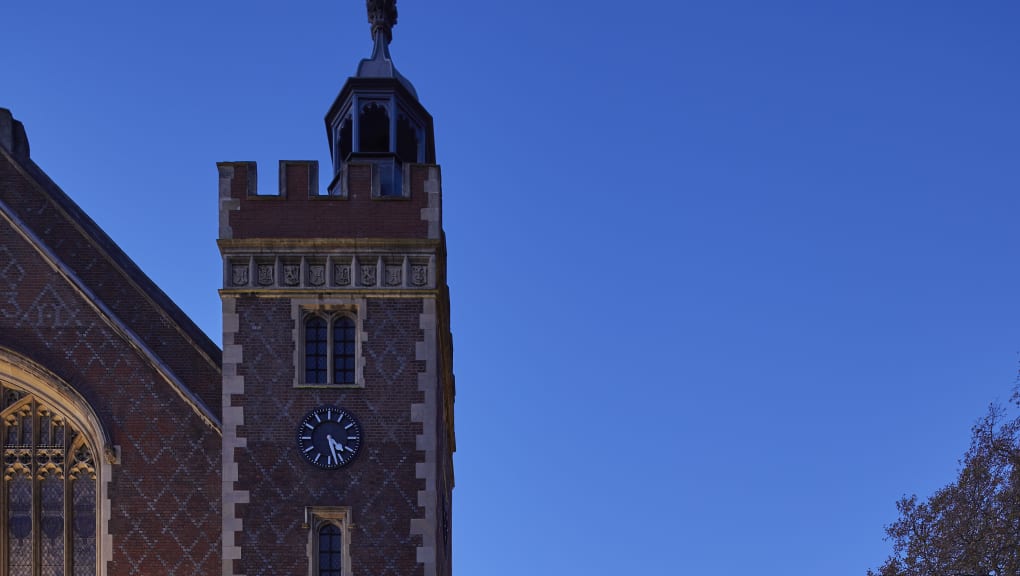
728,277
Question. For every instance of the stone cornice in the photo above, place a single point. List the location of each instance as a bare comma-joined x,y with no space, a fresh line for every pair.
304,294
321,245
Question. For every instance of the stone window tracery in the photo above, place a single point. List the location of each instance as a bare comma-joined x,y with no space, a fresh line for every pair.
48,496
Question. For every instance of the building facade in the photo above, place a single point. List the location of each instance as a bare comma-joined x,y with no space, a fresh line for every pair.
318,441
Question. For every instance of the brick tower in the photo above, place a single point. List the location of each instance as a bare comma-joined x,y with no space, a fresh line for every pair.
337,357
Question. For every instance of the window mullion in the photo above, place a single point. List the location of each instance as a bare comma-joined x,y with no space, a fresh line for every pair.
68,502
36,494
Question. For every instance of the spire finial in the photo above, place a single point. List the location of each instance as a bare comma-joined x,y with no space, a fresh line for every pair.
382,15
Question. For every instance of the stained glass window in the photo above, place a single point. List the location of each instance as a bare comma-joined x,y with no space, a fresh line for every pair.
48,501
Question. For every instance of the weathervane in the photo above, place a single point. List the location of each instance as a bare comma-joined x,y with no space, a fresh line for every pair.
382,15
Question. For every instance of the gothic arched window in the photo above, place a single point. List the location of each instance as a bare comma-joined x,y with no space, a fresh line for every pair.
343,350
330,349
48,502
329,540
316,350
330,550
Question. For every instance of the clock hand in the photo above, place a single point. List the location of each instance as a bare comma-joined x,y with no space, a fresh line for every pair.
332,446
333,442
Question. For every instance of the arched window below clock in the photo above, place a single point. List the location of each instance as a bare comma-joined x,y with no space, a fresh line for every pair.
330,550
50,489
329,541
328,346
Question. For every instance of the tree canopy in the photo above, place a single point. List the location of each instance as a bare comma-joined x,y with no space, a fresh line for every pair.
972,526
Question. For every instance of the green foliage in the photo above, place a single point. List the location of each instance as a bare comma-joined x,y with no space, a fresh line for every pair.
972,526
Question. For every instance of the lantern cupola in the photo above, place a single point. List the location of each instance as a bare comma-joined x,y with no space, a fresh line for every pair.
377,119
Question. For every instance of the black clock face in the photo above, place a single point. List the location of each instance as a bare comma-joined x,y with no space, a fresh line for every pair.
329,437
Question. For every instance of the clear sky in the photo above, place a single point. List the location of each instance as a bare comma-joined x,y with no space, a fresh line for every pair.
729,277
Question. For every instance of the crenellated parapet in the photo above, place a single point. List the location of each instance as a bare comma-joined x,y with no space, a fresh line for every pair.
357,207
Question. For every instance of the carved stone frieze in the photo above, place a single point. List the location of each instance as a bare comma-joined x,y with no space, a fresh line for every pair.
291,274
342,275
419,275
375,270
368,274
316,274
239,275
394,276
266,274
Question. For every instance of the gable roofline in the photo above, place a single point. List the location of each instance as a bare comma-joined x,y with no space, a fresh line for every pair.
14,149
109,317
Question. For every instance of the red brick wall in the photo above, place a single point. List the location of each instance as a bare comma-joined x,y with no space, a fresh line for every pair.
380,484
113,278
299,215
165,493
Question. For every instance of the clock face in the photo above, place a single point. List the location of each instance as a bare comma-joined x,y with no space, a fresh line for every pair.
329,437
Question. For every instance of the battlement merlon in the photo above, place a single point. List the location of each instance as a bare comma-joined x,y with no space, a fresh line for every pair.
371,198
